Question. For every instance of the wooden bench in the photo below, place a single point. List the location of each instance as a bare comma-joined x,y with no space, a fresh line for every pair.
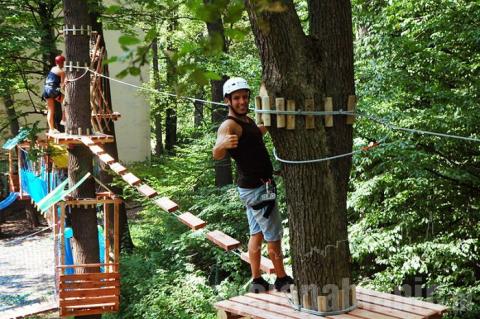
371,305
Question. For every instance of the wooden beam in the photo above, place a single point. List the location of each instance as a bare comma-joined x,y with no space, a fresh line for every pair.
290,118
328,108
223,240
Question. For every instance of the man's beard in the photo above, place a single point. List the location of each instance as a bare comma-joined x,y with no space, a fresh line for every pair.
239,114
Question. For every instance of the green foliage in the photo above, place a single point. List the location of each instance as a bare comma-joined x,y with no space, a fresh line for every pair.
414,203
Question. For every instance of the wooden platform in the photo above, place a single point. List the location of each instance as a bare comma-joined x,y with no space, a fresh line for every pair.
29,311
64,138
371,305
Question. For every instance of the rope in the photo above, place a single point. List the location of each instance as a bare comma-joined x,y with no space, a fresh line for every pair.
150,89
298,112
78,78
323,159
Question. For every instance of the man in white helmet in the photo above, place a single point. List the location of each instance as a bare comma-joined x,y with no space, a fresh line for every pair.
243,140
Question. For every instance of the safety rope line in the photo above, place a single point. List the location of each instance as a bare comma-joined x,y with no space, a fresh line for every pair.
366,148
78,78
298,112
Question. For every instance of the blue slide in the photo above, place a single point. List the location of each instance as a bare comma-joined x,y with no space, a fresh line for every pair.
8,200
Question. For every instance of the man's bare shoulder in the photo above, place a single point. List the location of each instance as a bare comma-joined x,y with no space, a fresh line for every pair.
230,126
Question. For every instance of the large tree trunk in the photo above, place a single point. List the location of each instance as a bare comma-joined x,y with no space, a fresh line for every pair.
172,80
105,176
298,66
198,110
157,107
77,106
8,102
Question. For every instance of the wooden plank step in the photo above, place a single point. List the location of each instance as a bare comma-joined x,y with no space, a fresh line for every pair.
266,265
388,311
282,309
87,141
223,240
97,150
89,277
395,305
88,302
410,301
192,221
147,191
106,158
118,168
85,312
369,315
131,179
166,204
245,310
93,292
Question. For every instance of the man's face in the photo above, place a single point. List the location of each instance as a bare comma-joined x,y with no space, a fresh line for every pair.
239,101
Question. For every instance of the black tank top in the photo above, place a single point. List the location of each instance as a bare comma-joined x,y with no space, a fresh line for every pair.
251,156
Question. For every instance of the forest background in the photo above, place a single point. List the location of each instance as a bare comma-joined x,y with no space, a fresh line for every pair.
413,206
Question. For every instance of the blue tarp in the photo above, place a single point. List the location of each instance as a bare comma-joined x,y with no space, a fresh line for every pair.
8,200
11,143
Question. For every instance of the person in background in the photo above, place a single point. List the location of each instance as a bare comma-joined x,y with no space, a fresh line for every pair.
52,90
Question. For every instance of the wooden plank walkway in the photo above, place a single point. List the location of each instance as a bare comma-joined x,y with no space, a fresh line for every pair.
29,311
371,305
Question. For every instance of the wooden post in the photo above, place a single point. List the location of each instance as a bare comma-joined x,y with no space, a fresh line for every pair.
322,303
353,295
116,240
266,118
307,300
55,235
62,235
280,106
258,106
309,119
290,118
19,160
328,108
106,226
294,295
351,105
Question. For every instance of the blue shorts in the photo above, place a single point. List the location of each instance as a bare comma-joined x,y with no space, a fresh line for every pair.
271,227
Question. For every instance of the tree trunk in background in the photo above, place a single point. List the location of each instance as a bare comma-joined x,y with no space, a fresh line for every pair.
126,243
223,167
11,114
172,80
157,107
170,129
198,117
80,161
298,66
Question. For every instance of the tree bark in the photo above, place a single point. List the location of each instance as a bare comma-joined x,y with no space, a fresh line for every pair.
158,109
172,81
298,66
198,117
8,102
126,243
80,160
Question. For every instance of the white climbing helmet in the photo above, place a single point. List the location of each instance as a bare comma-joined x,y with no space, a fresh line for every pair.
234,84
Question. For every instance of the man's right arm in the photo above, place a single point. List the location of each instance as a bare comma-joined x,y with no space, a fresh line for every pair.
226,140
